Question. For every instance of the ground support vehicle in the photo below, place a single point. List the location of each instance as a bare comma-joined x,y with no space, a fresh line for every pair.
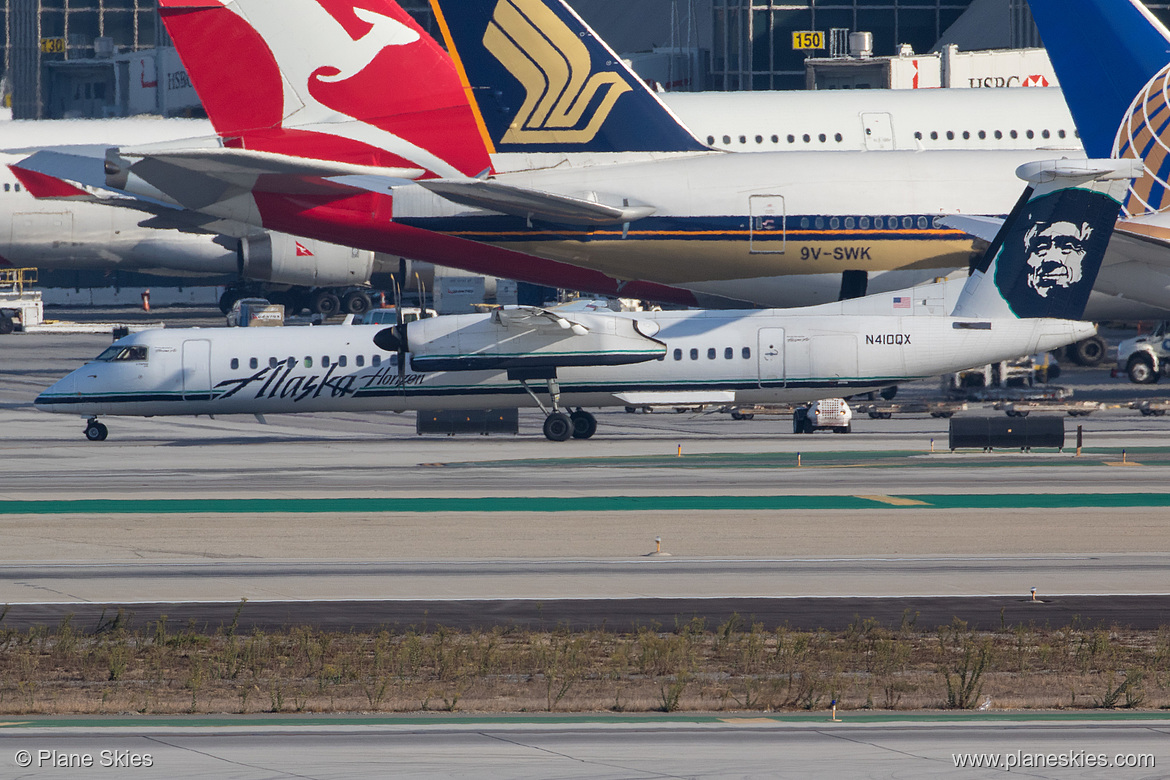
938,409
1144,358
1021,408
826,414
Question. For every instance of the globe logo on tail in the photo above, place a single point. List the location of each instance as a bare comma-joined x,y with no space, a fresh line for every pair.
1143,136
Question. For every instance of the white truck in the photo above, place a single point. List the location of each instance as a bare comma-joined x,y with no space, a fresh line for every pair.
827,414
1144,358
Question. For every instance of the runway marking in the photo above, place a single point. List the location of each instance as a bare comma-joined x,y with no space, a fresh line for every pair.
1121,463
895,500
749,721
593,504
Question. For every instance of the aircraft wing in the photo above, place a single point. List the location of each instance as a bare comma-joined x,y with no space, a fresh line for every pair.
523,339
534,204
202,174
985,228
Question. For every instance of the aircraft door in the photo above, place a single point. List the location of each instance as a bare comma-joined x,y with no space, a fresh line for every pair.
766,228
770,355
196,370
879,131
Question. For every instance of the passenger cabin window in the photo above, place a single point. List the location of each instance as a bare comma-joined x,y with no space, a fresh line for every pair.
273,362
728,353
918,135
998,135
747,353
123,353
376,360
934,135
791,139
806,138
711,353
1014,134
7,187
821,137
360,360
1060,133
838,138
966,135
341,361
1045,134
743,139
678,354
982,135
776,139
759,139
324,361
253,363
950,135
235,363
726,139
710,140
1030,134
308,361
694,354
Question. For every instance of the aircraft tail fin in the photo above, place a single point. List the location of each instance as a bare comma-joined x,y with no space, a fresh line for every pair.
327,79
1112,58
542,81
1045,258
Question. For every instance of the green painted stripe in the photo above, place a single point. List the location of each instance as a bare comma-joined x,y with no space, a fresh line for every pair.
444,719
584,504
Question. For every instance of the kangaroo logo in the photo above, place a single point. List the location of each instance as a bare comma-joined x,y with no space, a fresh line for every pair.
1140,138
555,69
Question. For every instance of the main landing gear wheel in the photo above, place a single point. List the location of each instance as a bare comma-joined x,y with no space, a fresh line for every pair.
325,303
584,424
356,302
95,431
558,427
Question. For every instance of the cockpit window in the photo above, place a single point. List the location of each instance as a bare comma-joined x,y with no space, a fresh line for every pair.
123,353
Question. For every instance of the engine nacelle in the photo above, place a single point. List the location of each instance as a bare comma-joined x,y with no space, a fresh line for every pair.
282,259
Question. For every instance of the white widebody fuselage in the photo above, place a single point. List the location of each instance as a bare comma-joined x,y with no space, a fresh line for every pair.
706,356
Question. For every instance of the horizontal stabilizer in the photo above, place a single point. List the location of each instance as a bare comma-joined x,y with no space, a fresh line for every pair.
533,204
227,163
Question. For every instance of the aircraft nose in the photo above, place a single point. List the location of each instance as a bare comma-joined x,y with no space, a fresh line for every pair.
64,390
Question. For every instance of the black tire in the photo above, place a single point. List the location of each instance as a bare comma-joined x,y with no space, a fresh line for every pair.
1141,370
95,431
356,302
1090,352
584,424
843,428
6,325
747,417
799,418
324,303
558,427
631,410
889,393
228,299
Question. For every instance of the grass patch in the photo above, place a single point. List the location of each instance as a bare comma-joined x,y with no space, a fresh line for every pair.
164,669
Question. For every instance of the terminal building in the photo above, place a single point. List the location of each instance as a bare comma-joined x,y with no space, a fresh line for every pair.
74,58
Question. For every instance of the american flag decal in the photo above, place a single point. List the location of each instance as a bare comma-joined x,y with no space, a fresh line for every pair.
901,302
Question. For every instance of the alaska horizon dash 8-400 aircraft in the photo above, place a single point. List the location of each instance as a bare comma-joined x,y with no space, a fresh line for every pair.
1025,296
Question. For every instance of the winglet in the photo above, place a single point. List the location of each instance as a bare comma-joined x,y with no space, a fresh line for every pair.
44,187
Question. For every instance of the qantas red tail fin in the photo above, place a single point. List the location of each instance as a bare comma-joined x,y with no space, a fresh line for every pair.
356,81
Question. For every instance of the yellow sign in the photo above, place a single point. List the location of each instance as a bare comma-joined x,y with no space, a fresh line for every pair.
52,45
809,39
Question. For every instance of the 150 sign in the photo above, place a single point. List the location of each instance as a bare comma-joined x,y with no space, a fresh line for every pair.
808,39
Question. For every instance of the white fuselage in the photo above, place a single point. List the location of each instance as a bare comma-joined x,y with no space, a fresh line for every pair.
756,357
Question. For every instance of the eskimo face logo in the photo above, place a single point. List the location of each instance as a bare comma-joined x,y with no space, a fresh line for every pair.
1055,253
555,69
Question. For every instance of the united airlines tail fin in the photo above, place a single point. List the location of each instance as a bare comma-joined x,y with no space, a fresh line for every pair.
543,81
1045,258
327,79
1113,61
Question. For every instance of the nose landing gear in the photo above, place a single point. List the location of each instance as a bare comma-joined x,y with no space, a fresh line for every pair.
95,431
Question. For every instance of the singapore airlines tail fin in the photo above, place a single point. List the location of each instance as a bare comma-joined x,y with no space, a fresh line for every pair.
1113,61
329,80
542,81
1045,258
